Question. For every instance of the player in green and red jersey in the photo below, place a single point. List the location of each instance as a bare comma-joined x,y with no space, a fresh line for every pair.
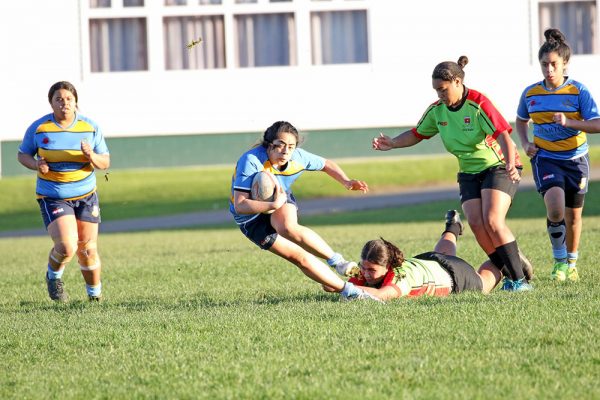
473,130
386,274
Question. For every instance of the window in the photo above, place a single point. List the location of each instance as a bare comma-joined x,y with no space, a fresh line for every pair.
339,37
118,44
576,19
99,3
265,40
179,31
234,33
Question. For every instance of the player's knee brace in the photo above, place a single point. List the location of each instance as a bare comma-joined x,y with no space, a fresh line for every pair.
87,255
60,257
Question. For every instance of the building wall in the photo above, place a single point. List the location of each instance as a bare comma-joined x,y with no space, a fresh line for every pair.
48,42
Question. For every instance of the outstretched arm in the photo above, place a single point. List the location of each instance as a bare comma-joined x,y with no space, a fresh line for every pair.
385,143
336,172
385,293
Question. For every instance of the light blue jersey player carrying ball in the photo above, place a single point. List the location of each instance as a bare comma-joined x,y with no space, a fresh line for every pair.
273,225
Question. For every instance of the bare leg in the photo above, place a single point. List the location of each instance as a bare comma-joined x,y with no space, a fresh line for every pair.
285,222
490,276
574,223
446,244
308,264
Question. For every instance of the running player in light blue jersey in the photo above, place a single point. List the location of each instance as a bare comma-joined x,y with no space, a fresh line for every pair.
562,111
274,225
64,148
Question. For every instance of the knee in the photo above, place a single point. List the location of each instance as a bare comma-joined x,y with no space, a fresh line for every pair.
289,231
87,254
555,215
65,248
476,225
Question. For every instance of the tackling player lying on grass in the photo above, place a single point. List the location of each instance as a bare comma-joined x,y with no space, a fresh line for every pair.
473,130
386,274
273,225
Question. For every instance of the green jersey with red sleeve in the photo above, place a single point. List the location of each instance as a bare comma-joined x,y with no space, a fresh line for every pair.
468,131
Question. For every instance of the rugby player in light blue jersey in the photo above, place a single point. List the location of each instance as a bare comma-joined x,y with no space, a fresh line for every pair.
273,225
65,147
562,111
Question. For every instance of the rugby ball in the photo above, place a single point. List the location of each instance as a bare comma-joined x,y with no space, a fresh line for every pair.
264,185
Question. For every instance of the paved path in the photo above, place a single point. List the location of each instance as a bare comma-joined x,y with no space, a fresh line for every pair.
307,207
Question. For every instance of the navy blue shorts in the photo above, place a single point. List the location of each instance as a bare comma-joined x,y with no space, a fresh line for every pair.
85,209
470,185
260,231
570,175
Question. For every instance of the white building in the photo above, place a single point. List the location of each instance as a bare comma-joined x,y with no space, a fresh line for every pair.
321,64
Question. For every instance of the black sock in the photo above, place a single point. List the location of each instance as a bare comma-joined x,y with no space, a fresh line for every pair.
497,261
453,228
509,253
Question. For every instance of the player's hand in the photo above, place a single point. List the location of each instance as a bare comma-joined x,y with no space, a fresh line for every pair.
357,185
42,166
560,118
530,149
280,198
86,149
513,172
383,143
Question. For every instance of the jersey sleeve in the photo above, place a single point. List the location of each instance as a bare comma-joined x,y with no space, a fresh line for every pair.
492,122
99,145
312,162
589,109
522,110
427,126
28,145
247,166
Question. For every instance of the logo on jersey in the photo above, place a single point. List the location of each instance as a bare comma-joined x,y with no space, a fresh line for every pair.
46,140
57,211
547,176
467,120
443,123
568,103
532,103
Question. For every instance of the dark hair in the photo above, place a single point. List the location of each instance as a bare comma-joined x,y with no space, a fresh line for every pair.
382,252
449,70
62,85
274,130
555,42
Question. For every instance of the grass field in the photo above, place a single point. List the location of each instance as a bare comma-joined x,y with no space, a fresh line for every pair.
145,193
205,314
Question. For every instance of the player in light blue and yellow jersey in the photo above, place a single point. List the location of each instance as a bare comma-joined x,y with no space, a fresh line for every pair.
64,148
71,174
473,130
273,225
387,274
562,111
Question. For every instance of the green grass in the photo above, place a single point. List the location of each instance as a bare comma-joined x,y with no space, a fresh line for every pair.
206,314
146,193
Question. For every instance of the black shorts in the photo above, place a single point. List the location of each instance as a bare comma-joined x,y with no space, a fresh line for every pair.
464,276
470,185
260,231
85,209
570,175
